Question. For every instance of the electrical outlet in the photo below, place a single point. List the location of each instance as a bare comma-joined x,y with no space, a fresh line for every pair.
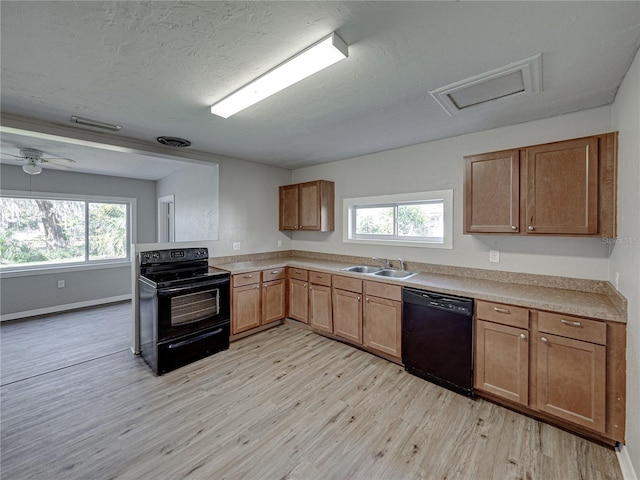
617,280
494,256
236,245
61,284
279,243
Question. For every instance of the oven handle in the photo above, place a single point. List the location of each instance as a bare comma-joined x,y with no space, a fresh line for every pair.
189,341
191,286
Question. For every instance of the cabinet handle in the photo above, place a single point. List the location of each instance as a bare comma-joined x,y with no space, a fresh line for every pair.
501,310
367,299
258,286
358,298
304,285
523,336
513,227
248,276
275,272
310,288
319,276
266,286
544,340
530,228
573,324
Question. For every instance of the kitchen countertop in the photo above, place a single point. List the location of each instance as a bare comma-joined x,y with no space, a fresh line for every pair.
571,302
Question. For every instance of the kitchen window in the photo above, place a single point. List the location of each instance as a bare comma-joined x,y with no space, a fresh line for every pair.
42,231
422,219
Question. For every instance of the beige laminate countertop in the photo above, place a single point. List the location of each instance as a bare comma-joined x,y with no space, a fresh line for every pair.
571,302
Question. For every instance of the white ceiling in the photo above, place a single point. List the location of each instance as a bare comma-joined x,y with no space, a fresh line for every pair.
156,67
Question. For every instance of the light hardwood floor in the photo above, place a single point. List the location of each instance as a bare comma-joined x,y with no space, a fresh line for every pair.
284,403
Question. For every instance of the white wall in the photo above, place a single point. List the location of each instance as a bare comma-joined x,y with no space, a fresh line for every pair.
625,254
39,293
195,191
439,165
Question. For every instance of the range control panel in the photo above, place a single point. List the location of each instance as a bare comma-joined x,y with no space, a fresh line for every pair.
173,255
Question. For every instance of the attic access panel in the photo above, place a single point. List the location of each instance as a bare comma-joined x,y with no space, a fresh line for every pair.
523,77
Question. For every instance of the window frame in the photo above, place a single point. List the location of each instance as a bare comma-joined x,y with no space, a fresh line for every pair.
86,264
395,200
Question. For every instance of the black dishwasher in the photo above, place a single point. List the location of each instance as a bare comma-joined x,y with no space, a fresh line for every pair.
437,338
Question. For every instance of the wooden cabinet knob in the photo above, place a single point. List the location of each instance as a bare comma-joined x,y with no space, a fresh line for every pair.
530,228
513,227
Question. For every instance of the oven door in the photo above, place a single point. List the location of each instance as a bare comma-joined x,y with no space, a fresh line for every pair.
191,308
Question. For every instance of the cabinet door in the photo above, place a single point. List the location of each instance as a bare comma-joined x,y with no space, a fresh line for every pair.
347,315
309,213
382,323
492,193
289,200
502,361
320,317
298,300
562,187
245,308
571,376
273,301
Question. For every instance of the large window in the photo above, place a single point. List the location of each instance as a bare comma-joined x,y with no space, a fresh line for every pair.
42,232
416,219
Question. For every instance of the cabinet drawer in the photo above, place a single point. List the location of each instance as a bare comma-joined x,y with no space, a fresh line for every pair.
248,278
383,290
318,278
298,273
504,314
573,327
272,274
347,283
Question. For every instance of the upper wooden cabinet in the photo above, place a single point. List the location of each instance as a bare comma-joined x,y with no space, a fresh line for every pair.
561,188
307,206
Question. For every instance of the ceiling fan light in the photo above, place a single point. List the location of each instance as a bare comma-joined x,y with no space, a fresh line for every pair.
32,169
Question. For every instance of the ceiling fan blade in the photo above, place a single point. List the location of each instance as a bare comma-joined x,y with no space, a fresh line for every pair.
17,157
49,159
47,164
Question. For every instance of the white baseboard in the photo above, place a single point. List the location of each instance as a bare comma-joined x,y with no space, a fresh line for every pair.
628,473
64,308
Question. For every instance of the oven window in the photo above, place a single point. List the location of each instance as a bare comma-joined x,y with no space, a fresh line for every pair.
194,307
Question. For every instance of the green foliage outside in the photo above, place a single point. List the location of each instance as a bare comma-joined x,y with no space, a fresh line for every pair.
414,220
44,231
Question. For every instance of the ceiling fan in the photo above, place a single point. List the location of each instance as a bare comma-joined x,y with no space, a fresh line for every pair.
35,160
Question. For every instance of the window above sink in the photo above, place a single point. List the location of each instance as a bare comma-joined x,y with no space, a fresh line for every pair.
421,219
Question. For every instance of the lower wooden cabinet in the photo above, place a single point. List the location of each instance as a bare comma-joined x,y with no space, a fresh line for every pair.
273,301
320,314
502,361
299,295
382,318
564,369
347,308
257,298
245,307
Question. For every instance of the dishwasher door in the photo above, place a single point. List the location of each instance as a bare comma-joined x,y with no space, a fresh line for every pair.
437,338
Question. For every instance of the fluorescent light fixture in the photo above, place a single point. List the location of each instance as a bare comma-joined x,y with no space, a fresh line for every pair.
320,55
95,123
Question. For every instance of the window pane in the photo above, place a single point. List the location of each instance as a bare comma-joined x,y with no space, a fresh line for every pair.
41,231
107,231
421,220
374,220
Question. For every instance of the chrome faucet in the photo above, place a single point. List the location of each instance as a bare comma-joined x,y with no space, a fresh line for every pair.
385,261
401,264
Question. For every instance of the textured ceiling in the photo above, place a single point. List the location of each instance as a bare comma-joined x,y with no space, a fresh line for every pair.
156,67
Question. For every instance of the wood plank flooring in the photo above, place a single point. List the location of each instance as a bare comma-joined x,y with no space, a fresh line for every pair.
282,404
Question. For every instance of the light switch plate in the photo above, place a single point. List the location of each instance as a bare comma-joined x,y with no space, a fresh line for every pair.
494,256
236,245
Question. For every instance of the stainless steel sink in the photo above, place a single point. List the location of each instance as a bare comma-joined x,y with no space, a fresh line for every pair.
362,269
390,272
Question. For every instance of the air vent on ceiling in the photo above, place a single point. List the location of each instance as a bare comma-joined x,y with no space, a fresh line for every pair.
173,141
519,78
